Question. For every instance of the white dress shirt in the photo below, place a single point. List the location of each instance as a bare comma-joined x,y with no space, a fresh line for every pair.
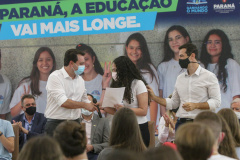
60,87
202,86
88,128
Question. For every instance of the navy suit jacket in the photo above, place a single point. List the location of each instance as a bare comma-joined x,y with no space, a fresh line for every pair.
37,127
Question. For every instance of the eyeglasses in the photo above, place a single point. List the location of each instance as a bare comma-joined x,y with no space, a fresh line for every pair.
176,38
218,42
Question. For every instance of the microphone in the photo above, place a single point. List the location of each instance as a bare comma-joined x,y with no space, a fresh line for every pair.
99,112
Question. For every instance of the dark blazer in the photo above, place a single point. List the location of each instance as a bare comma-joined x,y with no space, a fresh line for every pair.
37,127
99,133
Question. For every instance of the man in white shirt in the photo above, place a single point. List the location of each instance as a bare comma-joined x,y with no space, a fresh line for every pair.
66,93
196,90
212,120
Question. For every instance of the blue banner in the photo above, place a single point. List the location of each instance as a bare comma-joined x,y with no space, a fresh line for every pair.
78,26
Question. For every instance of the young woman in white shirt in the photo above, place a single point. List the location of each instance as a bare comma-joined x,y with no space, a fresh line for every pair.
93,71
216,55
43,65
169,68
125,74
136,50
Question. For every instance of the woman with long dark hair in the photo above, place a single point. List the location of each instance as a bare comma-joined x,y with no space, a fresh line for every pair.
125,134
169,68
216,55
136,50
125,74
43,65
93,71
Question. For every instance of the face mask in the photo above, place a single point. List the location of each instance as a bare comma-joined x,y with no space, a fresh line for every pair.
80,70
114,76
86,112
31,110
184,62
237,114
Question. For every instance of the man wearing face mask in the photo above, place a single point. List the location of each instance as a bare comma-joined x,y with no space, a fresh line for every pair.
66,93
235,105
196,90
97,130
31,123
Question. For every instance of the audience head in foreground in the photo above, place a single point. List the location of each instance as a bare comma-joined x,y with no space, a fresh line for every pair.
72,139
233,123
125,134
194,141
162,153
227,147
41,148
212,120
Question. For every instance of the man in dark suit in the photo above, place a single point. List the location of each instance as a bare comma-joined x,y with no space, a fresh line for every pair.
97,130
31,123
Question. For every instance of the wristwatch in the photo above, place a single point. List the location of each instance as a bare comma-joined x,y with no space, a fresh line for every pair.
1,134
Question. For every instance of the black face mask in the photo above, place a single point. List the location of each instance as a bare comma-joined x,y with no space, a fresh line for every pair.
184,63
31,110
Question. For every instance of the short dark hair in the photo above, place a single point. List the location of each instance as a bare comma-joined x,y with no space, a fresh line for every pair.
71,55
27,96
190,48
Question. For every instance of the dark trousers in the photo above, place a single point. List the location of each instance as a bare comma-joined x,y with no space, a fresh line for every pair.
181,121
52,124
92,156
145,133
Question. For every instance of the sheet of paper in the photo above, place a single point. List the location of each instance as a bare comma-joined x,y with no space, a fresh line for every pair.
113,96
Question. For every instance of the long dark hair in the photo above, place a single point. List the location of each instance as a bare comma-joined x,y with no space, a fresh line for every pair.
227,146
168,53
226,53
35,74
145,60
87,49
126,73
128,137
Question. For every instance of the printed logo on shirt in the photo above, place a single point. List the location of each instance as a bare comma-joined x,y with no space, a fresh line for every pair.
96,94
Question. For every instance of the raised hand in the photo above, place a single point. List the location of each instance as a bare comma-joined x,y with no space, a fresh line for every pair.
26,91
150,92
107,76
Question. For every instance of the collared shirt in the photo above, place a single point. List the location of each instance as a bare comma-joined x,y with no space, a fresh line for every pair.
61,87
88,127
202,86
27,126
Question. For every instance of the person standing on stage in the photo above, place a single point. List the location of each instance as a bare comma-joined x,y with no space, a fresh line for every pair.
196,90
66,93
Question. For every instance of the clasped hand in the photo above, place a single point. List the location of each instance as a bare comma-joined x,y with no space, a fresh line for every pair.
189,106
